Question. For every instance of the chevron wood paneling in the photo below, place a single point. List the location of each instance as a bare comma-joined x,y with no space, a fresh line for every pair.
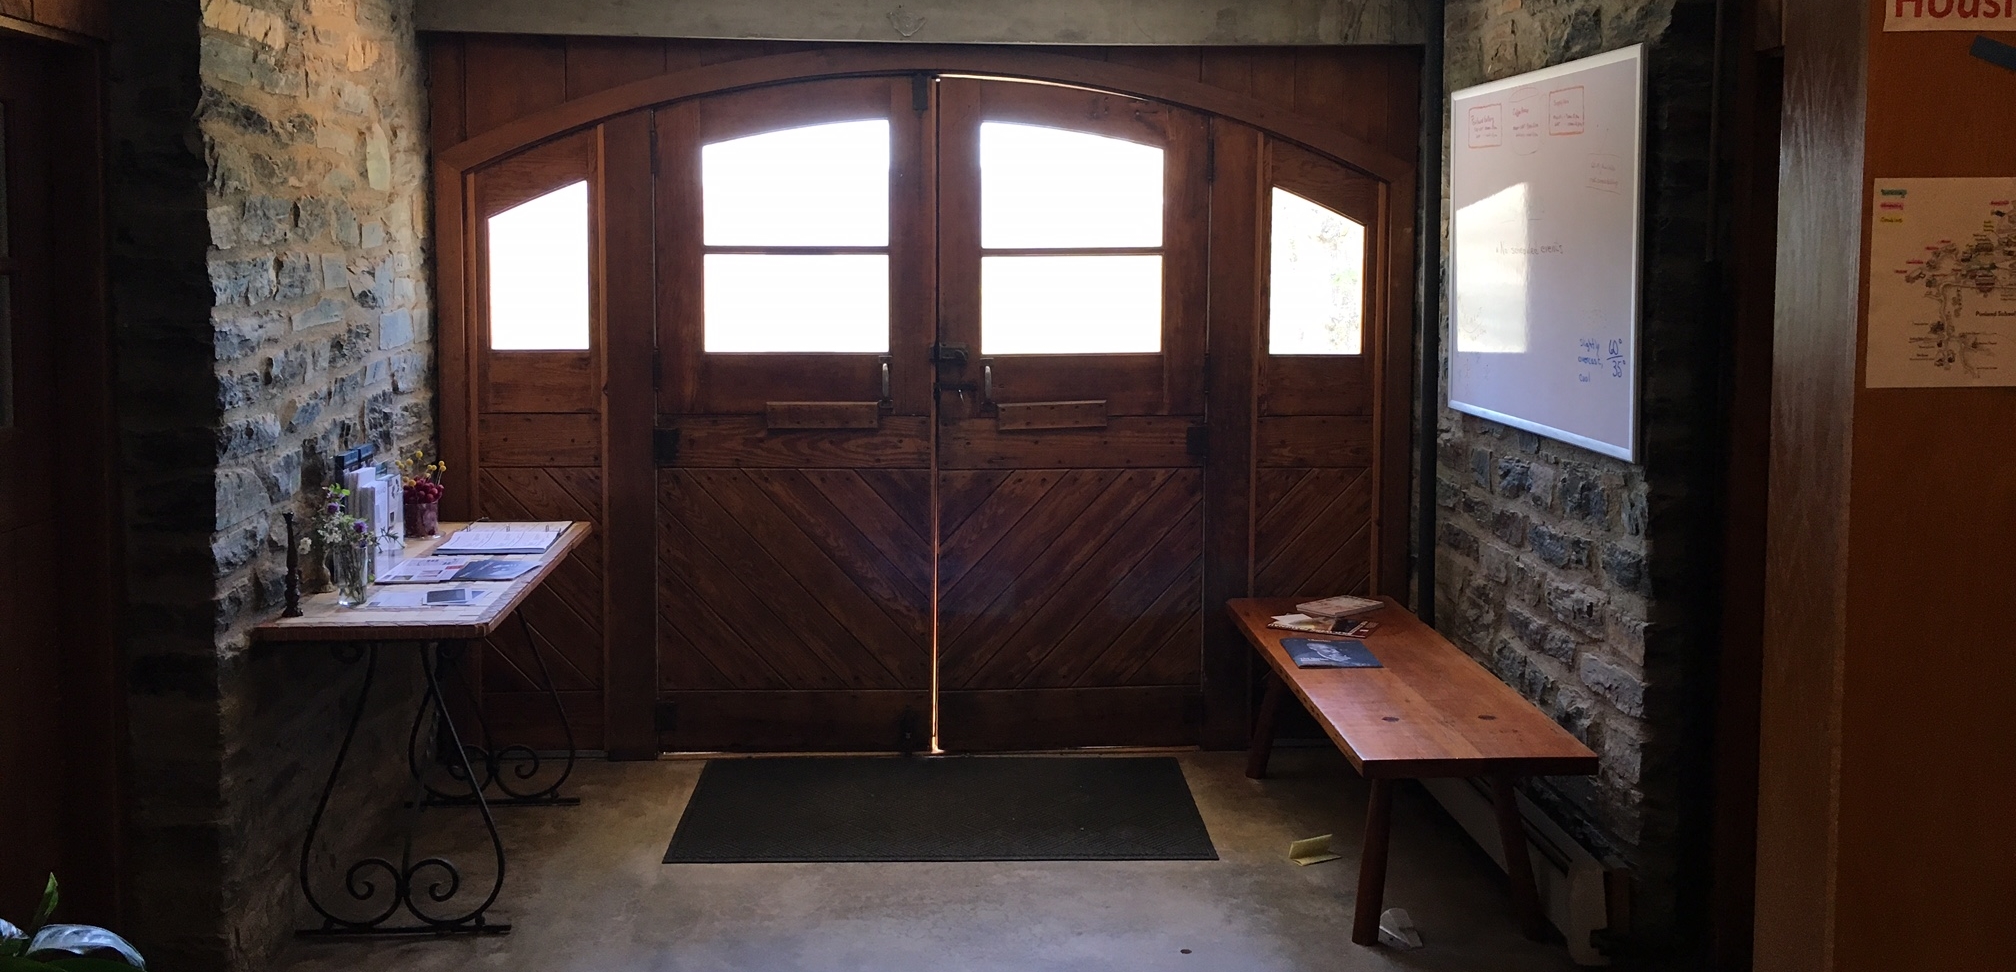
788,579
1313,537
565,614
1070,578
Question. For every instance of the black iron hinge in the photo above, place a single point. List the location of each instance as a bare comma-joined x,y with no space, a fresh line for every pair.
654,145
1197,441
657,372
664,446
1210,160
920,93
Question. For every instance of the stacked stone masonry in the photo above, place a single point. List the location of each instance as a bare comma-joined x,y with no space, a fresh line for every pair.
269,214
1578,578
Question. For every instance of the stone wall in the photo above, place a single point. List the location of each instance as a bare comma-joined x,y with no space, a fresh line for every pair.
1584,581
269,207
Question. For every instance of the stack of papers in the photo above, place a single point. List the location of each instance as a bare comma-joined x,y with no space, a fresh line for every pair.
418,598
502,538
441,570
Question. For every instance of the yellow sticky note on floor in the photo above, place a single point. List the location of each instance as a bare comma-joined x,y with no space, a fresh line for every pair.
1312,850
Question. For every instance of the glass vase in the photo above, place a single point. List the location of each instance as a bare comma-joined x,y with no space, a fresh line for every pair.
423,520
350,572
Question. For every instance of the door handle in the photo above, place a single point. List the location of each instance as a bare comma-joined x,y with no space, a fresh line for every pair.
986,382
887,402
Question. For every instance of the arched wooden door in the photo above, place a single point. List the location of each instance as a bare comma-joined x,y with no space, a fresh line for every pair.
916,406
931,354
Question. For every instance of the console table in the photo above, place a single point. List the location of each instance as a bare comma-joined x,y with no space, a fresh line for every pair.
429,889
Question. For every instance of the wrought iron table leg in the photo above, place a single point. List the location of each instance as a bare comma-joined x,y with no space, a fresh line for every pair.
434,878
524,762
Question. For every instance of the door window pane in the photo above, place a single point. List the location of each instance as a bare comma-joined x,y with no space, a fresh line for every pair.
821,185
1071,304
539,273
1047,187
1316,292
782,302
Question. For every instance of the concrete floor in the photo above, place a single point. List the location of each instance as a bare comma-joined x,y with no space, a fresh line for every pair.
587,892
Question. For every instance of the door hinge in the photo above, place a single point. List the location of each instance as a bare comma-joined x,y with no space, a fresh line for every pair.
654,145
1207,374
657,373
1210,159
1197,441
664,446
920,93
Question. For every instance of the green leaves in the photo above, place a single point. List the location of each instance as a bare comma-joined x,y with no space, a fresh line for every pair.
47,909
45,947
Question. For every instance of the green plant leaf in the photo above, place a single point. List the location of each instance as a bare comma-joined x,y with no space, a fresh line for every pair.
48,908
57,943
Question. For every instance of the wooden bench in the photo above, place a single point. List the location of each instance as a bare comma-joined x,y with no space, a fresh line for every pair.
1430,712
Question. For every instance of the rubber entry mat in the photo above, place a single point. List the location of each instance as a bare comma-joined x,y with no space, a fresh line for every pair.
961,808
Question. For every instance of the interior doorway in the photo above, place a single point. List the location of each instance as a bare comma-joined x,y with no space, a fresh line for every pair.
968,392
59,725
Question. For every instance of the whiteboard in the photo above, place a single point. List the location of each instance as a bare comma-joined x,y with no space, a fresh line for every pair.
1545,242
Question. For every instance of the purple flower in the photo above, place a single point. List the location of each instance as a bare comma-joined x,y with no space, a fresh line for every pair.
335,508
359,526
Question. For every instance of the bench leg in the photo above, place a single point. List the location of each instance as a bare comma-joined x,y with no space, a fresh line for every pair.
1518,860
1372,864
1262,745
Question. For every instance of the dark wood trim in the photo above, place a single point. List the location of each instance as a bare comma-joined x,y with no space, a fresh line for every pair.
453,349
863,61
31,29
1233,361
88,504
630,590
1393,412
1813,413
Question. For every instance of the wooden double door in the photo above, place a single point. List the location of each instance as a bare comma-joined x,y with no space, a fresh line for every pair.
991,532
934,445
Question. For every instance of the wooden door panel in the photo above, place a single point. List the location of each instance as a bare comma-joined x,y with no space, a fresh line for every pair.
1125,442
1065,596
830,627
1313,537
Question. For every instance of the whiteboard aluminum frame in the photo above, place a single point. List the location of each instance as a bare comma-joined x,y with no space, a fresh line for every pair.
1631,452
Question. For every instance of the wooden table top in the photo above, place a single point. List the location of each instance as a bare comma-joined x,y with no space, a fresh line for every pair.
1431,711
322,620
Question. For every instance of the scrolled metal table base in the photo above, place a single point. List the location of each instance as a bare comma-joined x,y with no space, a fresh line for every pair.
412,895
506,769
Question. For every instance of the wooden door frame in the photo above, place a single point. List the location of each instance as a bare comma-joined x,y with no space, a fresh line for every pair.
629,501
94,787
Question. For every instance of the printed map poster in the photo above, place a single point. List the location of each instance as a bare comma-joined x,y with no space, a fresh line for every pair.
1942,283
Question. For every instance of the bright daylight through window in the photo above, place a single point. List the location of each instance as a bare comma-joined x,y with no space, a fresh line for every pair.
1316,291
1098,200
796,229
539,273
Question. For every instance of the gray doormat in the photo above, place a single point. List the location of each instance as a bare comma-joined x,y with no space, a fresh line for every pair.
961,808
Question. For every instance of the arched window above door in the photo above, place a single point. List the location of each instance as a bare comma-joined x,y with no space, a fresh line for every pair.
1071,242
1316,283
796,229
539,273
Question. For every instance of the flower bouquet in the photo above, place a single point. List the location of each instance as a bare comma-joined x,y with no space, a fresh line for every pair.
346,544
423,491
